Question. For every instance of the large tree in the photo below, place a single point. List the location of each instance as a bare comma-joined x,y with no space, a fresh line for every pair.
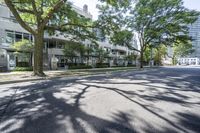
124,38
155,21
38,16
160,22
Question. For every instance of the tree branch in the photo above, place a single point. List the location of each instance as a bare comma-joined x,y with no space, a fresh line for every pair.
132,48
52,11
34,7
56,27
17,16
25,11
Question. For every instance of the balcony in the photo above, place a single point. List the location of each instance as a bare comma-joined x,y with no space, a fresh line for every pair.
119,48
55,51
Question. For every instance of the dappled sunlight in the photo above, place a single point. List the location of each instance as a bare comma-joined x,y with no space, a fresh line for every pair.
112,103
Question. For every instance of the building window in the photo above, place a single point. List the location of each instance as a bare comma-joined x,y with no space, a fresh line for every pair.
26,36
52,44
10,37
18,36
31,38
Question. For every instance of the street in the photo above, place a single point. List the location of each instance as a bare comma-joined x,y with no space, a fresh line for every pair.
161,100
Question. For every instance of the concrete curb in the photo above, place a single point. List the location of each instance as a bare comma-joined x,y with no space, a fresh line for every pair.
72,76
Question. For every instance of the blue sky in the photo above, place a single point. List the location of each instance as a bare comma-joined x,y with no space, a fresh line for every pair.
191,4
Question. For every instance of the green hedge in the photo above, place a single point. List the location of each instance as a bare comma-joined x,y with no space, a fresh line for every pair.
102,65
23,69
81,66
131,65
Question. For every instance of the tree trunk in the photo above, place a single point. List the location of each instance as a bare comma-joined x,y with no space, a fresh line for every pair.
38,54
141,58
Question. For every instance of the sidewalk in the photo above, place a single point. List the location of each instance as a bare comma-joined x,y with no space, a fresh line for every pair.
15,77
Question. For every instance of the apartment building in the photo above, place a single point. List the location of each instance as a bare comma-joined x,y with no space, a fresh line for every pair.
11,32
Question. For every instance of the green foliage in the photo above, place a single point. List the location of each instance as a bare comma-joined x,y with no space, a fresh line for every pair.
80,66
181,50
110,19
161,22
101,55
102,65
23,69
73,49
156,22
23,49
123,38
131,57
116,3
159,53
54,16
23,46
147,55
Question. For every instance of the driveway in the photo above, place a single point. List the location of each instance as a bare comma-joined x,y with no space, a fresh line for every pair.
163,100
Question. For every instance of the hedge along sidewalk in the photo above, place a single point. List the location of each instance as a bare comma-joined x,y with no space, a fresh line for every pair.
15,77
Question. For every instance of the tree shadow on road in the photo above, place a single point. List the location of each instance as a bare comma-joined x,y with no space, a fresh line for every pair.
41,108
37,110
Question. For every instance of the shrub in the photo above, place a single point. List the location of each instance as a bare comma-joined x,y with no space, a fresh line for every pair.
102,65
131,65
23,69
79,66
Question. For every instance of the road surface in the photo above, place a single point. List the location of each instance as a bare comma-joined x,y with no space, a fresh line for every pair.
163,100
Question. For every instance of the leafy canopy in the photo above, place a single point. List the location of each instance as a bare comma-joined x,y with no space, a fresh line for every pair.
23,46
51,15
160,22
182,49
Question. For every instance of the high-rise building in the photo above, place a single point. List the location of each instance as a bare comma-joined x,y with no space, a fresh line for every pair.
194,32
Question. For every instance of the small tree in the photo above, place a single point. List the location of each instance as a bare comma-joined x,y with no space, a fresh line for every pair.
25,47
159,54
181,49
70,51
132,57
89,50
101,55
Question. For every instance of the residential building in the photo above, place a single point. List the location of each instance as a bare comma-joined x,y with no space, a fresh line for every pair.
11,32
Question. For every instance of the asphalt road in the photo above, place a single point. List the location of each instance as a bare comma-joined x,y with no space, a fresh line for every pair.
163,100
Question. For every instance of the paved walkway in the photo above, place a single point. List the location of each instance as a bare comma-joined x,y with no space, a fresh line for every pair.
164,100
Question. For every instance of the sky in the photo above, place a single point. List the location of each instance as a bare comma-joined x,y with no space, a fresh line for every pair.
191,4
